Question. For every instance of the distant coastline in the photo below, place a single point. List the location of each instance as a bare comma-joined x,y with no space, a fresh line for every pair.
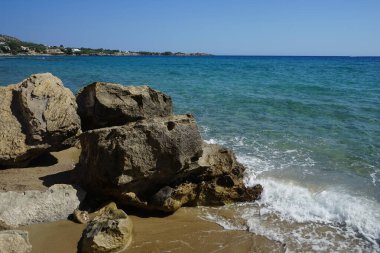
10,46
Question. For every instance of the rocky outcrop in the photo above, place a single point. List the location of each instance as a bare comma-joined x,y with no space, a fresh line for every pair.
23,208
109,231
217,181
222,178
108,104
139,157
38,115
14,241
157,164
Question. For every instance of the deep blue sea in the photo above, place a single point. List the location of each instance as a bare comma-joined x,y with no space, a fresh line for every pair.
307,129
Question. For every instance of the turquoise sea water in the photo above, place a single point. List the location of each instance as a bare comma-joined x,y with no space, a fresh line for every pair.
307,128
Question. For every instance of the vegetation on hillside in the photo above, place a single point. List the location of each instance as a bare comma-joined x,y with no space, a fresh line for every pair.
14,46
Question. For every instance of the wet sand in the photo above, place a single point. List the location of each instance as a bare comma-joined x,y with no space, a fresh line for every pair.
181,232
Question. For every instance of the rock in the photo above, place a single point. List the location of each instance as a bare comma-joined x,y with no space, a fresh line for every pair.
109,231
157,164
49,110
14,241
108,104
4,226
23,208
14,151
135,160
37,116
170,199
81,216
222,179
218,181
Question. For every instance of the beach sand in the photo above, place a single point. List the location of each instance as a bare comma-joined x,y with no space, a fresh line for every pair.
54,168
182,231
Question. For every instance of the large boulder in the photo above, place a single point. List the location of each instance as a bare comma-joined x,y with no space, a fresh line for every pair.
14,241
108,104
109,231
49,110
160,164
139,157
23,208
14,151
38,115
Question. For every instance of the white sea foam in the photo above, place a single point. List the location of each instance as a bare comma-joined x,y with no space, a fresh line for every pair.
315,220
295,203
307,221
214,141
374,178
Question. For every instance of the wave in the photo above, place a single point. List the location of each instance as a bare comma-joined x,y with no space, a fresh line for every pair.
302,216
305,220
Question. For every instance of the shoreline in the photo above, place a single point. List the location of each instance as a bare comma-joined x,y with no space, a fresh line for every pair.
118,55
183,231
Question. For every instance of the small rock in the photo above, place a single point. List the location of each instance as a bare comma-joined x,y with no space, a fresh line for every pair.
109,231
81,216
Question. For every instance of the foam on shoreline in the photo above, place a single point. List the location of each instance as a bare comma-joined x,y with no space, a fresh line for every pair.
303,216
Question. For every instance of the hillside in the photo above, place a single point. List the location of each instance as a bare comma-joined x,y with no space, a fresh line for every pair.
13,46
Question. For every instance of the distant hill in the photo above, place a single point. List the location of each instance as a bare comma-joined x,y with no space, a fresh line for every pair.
14,46
6,38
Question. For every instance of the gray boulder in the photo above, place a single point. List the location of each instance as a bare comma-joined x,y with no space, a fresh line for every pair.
38,115
14,241
23,208
108,104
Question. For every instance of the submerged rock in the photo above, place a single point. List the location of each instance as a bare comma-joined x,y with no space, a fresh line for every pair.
108,104
23,208
109,231
14,241
37,116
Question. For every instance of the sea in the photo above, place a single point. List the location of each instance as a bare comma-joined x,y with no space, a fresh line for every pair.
306,128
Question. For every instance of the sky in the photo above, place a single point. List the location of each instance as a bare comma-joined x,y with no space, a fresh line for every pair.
224,27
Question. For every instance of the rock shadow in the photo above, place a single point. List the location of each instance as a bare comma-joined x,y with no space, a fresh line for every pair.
64,177
16,111
43,160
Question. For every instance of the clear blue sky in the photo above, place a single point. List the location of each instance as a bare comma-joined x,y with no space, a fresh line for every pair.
245,27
